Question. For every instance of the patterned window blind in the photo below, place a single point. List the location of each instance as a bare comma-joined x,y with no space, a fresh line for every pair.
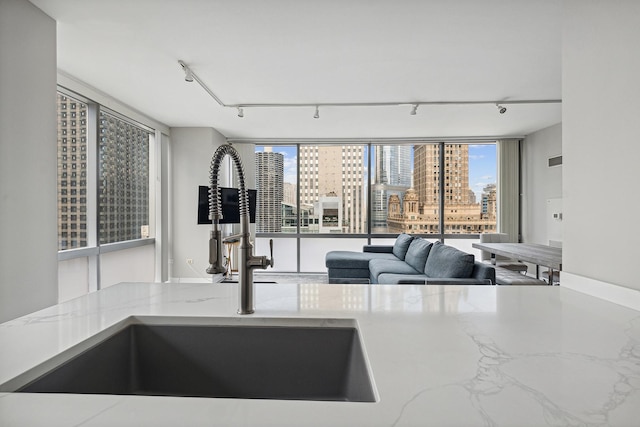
123,181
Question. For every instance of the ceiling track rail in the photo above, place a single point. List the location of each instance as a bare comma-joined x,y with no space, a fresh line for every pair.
190,76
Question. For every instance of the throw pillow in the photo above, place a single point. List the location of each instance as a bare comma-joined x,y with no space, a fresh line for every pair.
401,245
417,253
448,262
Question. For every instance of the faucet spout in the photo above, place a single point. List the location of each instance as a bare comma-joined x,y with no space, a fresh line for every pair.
247,261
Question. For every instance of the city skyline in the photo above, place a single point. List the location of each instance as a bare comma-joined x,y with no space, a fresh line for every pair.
482,165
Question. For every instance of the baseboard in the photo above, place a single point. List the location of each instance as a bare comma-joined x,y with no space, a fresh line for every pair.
626,297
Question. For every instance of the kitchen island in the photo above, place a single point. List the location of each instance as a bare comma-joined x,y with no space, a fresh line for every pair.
438,355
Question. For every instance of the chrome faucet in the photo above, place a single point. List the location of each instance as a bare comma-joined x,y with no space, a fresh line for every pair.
247,261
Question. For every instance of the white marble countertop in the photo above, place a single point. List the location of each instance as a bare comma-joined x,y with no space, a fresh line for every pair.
440,356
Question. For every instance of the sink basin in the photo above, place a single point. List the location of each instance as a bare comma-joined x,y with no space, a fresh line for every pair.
223,358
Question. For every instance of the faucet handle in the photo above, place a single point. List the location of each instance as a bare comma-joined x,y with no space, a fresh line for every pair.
271,250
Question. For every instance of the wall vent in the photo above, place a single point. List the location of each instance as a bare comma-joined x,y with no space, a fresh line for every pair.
555,161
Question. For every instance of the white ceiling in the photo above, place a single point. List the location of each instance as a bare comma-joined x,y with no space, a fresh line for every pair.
331,51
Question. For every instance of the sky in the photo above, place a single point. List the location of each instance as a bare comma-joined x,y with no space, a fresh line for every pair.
482,165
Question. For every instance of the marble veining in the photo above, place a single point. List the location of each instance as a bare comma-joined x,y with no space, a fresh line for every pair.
439,355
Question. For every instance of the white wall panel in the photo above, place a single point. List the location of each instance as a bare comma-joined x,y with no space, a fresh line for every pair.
600,109
28,160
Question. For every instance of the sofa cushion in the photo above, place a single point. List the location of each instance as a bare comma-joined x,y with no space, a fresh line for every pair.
385,249
447,261
417,253
349,259
401,245
380,266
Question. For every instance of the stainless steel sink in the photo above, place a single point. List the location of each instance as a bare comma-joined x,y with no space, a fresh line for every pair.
261,358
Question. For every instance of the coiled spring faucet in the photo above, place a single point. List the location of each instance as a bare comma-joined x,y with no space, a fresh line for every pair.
247,261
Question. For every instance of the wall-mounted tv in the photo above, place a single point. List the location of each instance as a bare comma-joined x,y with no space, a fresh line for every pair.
230,205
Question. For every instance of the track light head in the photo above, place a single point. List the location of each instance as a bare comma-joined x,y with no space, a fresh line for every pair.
414,110
240,112
188,74
317,114
501,109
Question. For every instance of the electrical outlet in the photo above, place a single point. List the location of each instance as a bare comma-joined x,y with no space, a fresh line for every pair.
190,261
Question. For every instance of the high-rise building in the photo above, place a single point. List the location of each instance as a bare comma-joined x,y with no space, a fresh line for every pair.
72,173
426,174
472,197
123,179
489,200
329,212
290,194
335,169
392,176
419,212
270,189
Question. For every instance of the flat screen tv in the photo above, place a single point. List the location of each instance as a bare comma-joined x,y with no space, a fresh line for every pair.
230,205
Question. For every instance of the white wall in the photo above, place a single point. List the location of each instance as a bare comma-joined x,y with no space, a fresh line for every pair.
28,160
127,265
191,152
73,278
600,141
539,182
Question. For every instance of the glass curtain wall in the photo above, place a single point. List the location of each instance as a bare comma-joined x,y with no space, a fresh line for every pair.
312,189
377,190
324,189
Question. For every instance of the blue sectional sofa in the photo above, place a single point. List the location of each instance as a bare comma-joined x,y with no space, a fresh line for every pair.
410,260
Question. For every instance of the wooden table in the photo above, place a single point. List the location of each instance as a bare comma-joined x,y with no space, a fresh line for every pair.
540,255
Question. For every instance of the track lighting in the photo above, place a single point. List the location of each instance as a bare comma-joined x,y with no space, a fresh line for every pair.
190,76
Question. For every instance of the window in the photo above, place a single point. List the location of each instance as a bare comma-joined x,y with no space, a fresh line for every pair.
66,179
123,182
276,201
337,195
392,176
408,188
123,175
471,192
331,193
